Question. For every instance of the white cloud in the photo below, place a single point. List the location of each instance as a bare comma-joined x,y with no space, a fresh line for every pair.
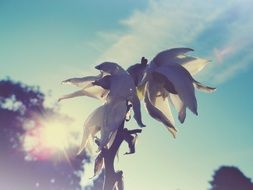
235,56
165,24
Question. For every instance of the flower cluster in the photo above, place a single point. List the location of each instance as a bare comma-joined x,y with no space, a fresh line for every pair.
168,77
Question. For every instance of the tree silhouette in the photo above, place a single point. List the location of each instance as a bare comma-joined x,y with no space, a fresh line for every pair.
230,178
19,103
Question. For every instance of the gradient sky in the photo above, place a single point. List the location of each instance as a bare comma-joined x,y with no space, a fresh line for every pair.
43,42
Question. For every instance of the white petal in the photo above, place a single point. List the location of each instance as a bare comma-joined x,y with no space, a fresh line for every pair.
162,103
203,87
155,112
137,110
110,68
114,116
97,92
93,92
165,57
112,139
179,105
177,56
122,86
195,66
92,125
183,83
83,82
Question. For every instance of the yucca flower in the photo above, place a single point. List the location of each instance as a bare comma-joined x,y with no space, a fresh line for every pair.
169,78
116,88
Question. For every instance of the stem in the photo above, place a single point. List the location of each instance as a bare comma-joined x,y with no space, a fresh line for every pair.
113,177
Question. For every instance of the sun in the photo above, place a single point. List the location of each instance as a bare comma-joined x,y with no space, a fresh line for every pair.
49,138
55,135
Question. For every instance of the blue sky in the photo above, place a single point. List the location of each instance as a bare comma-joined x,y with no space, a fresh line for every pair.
45,42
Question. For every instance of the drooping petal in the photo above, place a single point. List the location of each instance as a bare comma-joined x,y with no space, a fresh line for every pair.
156,113
137,71
99,164
140,90
114,116
137,110
179,105
92,125
183,83
122,88
163,82
162,103
182,114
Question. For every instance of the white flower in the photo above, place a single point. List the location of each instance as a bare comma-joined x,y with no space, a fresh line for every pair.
116,87
87,88
122,87
168,77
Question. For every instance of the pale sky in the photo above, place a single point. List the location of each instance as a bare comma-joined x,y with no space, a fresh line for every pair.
46,41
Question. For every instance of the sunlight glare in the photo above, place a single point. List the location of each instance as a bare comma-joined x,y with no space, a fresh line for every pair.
50,138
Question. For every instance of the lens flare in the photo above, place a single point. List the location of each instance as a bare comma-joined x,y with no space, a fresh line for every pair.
49,138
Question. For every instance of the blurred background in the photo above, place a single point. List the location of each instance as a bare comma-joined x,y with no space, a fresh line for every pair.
45,42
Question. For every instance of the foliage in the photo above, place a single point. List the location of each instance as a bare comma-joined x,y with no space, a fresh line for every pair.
18,104
230,178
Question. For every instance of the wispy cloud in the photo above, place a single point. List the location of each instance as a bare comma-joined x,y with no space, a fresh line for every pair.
162,24
224,27
232,55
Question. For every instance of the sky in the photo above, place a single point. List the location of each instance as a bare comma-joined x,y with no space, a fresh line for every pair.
46,41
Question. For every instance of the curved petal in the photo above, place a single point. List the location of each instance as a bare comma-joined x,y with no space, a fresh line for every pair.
177,56
137,72
93,92
166,56
156,113
163,105
83,82
91,126
140,90
137,110
104,82
203,87
194,66
114,116
183,83
179,105
97,92
123,88
110,67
